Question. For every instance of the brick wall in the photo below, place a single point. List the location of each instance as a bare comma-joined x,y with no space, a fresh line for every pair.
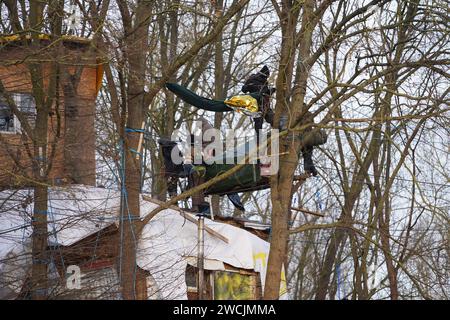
79,148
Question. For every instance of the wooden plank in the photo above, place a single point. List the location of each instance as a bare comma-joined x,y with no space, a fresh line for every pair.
308,212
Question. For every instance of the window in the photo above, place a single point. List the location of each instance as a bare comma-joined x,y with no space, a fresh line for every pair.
6,117
26,105
192,283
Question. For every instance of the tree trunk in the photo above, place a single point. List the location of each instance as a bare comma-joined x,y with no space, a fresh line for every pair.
281,184
219,82
39,281
136,49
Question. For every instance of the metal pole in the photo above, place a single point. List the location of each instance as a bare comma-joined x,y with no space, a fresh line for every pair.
209,200
200,257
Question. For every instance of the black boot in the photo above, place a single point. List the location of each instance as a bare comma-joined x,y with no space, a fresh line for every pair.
172,186
308,164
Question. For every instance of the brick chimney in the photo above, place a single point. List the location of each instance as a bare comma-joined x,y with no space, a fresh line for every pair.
80,77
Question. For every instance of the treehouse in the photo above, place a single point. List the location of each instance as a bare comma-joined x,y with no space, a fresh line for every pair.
251,175
71,133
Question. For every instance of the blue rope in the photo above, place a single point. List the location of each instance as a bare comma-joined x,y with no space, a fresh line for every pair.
36,211
99,219
122,177
124,199
39,261
318,199
52,216
131,130
135,151
116,178
23,231
338,276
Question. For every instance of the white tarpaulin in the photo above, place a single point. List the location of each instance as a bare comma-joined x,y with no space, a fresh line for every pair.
169,240
166,245
73,214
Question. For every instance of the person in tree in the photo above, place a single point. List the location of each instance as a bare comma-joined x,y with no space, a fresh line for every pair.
254,103
258,83
196,171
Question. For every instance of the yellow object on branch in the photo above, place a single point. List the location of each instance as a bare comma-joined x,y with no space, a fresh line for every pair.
243,103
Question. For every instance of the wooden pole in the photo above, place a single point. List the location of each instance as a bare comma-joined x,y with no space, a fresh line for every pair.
200,257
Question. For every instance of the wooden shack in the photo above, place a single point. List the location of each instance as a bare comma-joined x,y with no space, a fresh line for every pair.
71,132
84,233
98,254
97,257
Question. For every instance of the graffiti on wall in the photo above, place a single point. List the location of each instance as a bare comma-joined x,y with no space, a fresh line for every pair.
234,286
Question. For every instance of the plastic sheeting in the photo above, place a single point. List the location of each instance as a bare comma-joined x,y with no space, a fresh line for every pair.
166,245
169,241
